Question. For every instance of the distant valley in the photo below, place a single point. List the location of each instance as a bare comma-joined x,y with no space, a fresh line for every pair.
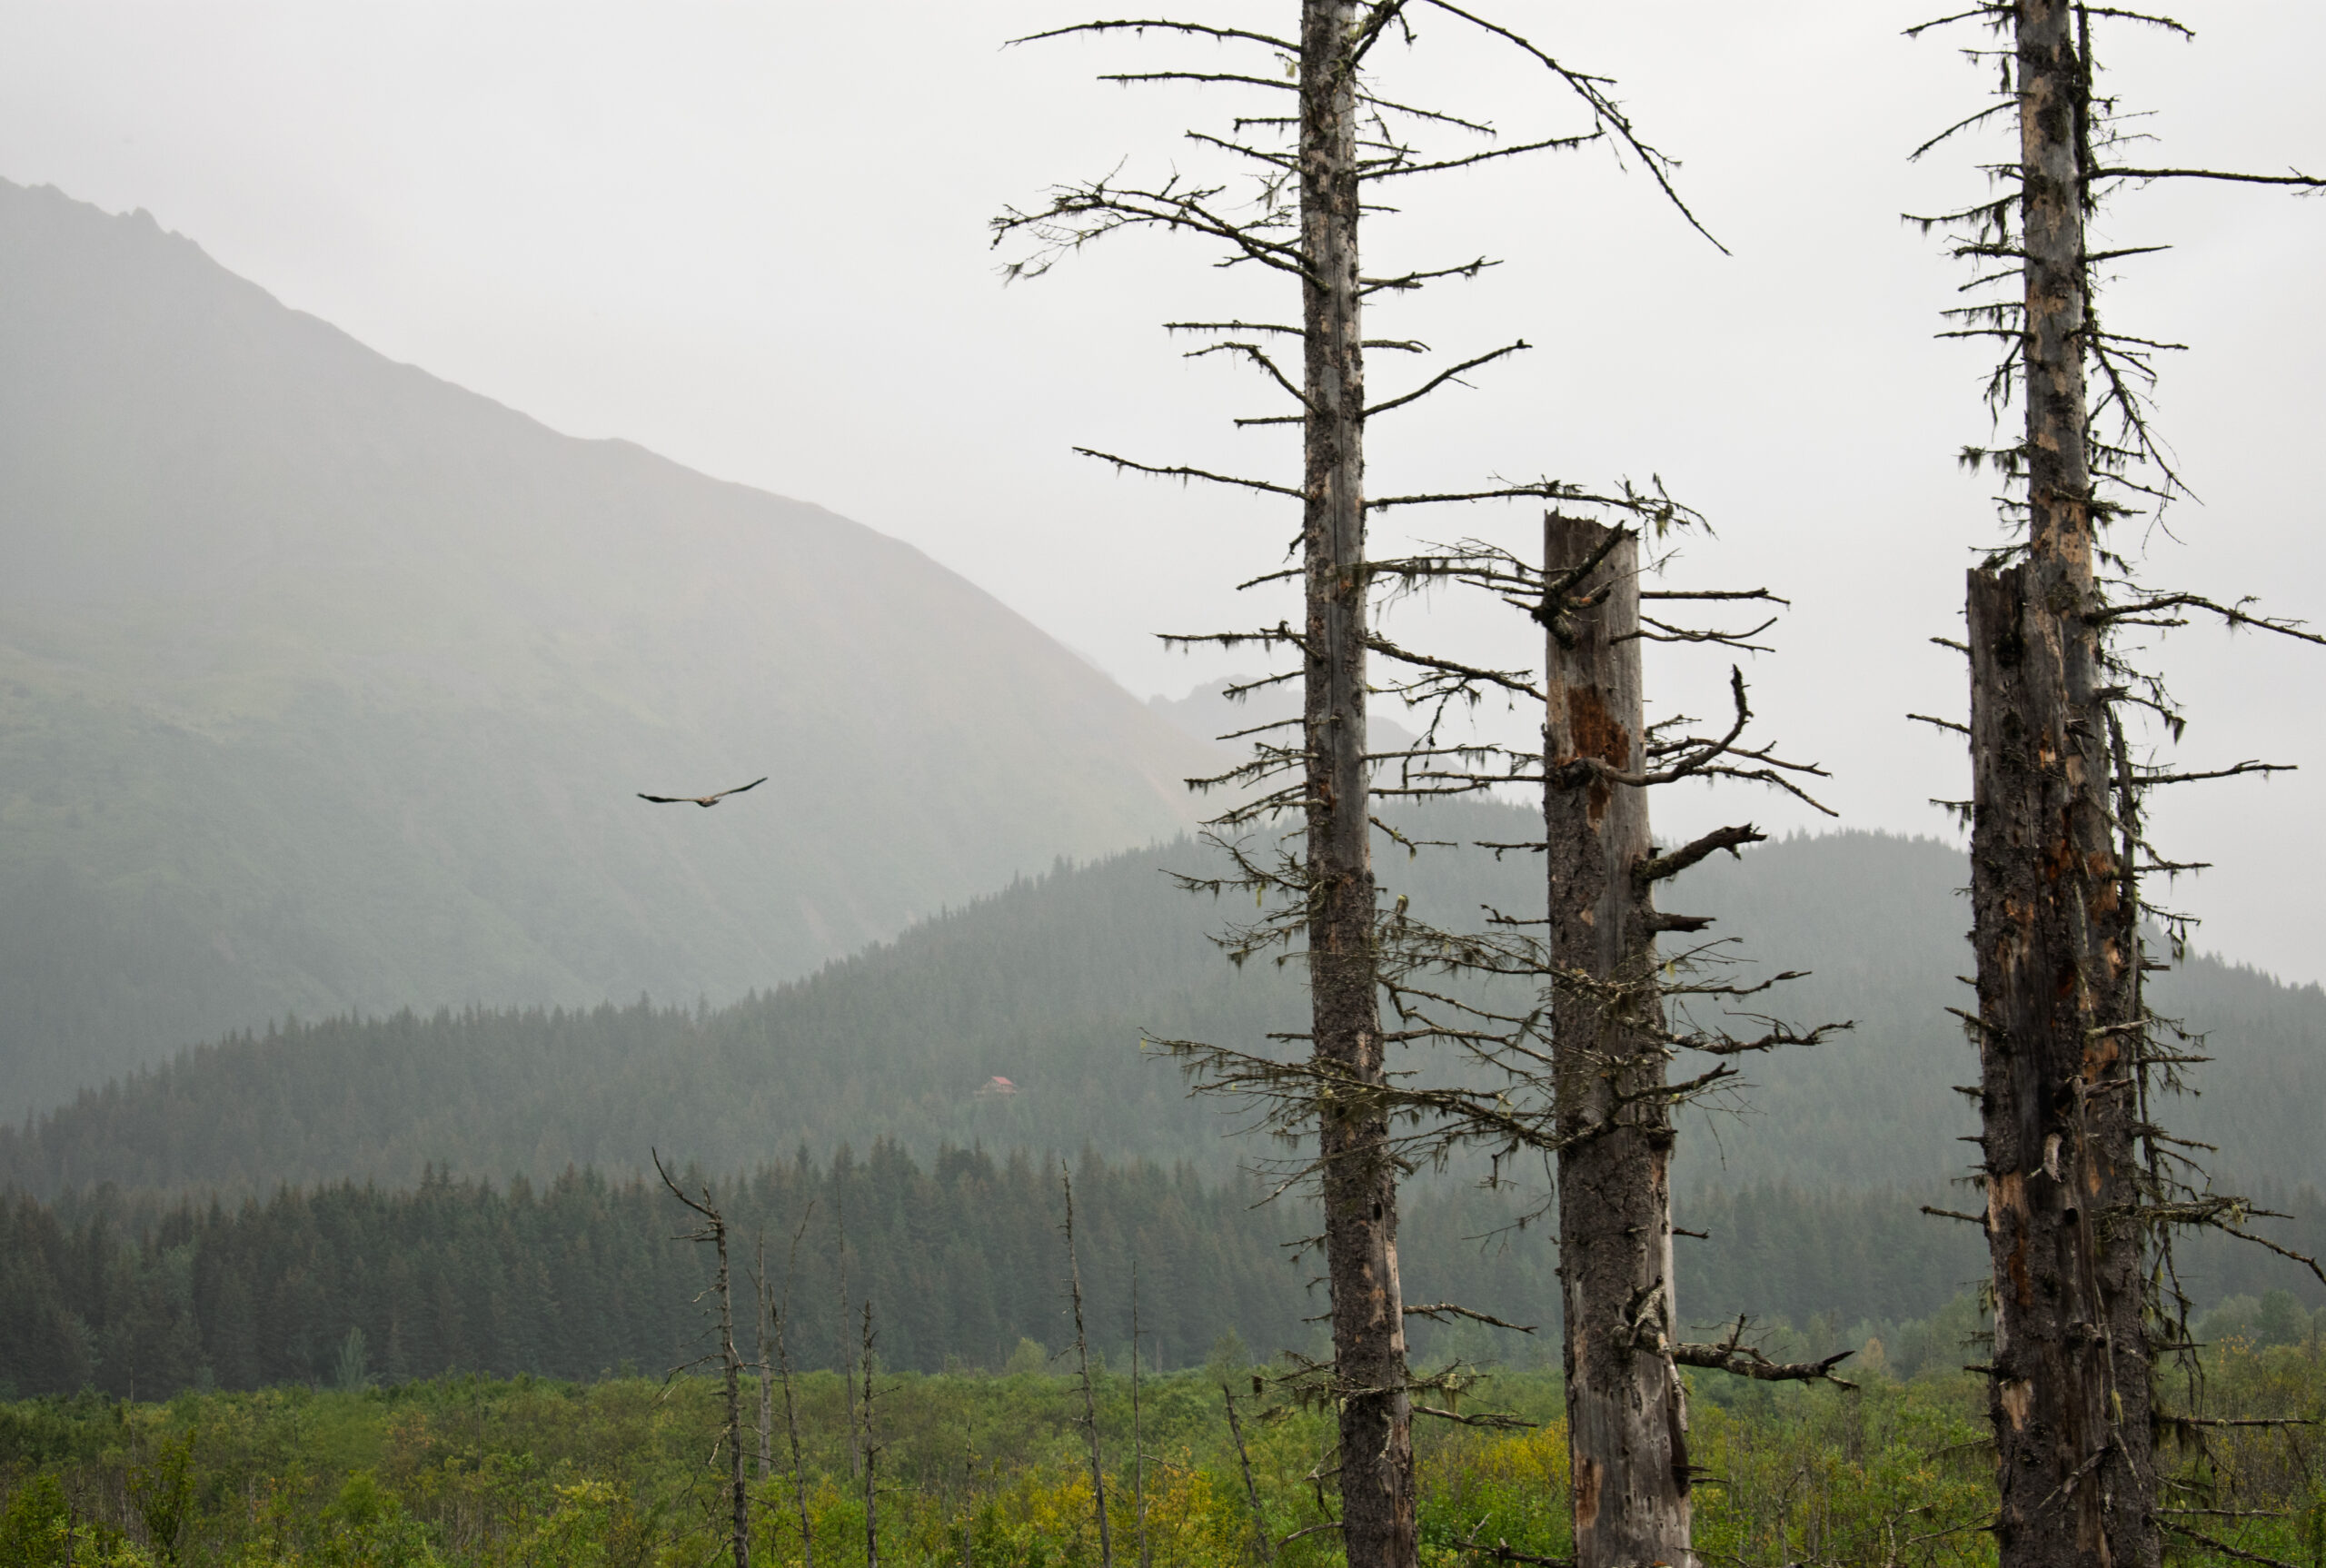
1051,984
326,693
327,686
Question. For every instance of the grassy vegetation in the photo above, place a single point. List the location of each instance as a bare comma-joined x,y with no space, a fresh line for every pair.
988,1471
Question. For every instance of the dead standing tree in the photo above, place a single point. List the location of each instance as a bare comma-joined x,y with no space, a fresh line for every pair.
1082,1369
1585,1080
872,1450
731,1436
1582,1079
1626,1405
1305,224
763,1315
781,1314
2082,1187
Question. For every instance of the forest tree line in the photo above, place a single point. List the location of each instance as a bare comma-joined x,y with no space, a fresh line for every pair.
893,1043
580,1276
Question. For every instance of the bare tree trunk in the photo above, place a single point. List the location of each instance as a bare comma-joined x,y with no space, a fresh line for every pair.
969,1493
1089,1401
790,1403
846,1361
730,1360
1267,1552
1627,1412
739,1488
871,1453
2056,954
767,1382
1138,1435
799,1468
2068,1393
1359,1180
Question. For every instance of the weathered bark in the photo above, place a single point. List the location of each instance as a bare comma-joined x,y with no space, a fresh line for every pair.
739,1490
847,1360
2054,933
791,1426
767,1382
714,1230
1359,1179
1264,1549
871,1453
1089,1395
1627,1412
1138,1432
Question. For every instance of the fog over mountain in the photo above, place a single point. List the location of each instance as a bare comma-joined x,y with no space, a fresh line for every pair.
1051,983
325,685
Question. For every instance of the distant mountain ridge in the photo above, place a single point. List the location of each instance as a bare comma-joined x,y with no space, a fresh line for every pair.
1051,983
325,685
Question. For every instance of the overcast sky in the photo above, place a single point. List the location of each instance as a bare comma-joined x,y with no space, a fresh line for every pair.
752,237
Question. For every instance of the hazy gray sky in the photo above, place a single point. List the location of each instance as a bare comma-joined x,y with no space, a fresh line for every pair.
752,237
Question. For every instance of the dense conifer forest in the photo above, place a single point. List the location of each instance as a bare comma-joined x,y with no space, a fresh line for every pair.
1051,983
463,1190
581,1276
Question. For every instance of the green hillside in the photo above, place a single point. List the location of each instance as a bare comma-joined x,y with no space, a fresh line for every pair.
1050,983
325,685
1810,1185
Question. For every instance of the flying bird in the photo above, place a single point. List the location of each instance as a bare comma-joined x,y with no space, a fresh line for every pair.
703,799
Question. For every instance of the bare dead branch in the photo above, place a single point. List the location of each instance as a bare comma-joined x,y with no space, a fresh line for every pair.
2297,178
1158,25
1181,472
1731,1354
1674,861
1443,376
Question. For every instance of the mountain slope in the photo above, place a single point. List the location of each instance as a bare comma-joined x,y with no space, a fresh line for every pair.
327,685
1050,983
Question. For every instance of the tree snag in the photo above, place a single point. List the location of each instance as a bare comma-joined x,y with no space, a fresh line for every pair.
1627,1409
790,1403
765,1369
1358,1178
1309,171
2057,950
872,1450
730,1363
2084,1189
1082,1368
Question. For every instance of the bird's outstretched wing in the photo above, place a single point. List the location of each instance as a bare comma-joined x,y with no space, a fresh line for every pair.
703,799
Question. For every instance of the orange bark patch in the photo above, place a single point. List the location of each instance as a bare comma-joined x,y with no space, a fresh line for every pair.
2059,857
1594,730
2007,1204
1586,1494
2016,1397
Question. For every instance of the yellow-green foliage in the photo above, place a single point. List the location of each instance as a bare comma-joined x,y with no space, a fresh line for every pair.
1875,1477
977,1472
1504,1490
